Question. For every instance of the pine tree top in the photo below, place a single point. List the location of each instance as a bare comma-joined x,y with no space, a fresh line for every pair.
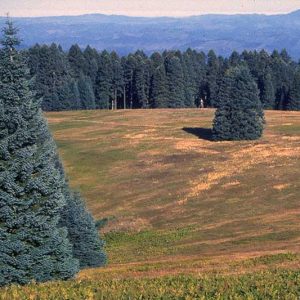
10,39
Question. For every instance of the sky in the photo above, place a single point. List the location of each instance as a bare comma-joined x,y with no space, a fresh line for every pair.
178,8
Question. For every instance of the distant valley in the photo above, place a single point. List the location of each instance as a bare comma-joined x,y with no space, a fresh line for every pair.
223,33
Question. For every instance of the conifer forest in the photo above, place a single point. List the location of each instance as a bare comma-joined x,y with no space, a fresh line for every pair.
173,175
89,79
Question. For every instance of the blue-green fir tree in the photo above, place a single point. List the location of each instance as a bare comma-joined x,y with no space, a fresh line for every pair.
239,115
32,245
82,232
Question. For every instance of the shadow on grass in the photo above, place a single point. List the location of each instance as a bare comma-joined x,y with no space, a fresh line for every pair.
201,133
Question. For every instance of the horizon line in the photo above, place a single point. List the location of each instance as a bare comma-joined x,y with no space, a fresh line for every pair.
154,16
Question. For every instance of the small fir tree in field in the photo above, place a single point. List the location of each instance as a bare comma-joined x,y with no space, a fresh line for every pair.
239,115
32,245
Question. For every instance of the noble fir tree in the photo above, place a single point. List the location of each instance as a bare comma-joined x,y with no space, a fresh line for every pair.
32,245
239,115
82,232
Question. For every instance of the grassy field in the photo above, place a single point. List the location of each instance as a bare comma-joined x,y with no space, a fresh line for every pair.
178,203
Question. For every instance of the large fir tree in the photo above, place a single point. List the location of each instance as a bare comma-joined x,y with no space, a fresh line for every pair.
32,245
239,115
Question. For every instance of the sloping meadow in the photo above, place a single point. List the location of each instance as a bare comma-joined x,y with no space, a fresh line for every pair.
170,201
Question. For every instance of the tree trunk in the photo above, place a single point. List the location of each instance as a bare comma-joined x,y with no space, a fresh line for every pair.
116,101
124,97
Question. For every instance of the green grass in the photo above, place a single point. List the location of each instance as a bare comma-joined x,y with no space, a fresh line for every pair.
154,178
126,246
289,129
271,259
265,285
185,218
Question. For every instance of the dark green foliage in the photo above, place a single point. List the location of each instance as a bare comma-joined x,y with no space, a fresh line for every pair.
86,93
172,79
212,79
140,97
117,79
294,94
240,115
82,232
194,69
92,61
128,67
32,245
68,96
52,75
234,59
101,223
159,88
175,82
268,92
77,61
103,87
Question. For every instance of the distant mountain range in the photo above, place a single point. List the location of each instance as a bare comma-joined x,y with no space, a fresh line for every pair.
223,33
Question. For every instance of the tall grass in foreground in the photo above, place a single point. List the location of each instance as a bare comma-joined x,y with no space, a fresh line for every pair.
280,284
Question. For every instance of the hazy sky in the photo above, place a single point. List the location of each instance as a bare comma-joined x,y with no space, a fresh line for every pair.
144,7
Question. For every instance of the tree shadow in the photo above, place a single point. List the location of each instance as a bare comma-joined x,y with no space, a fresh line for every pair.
201,133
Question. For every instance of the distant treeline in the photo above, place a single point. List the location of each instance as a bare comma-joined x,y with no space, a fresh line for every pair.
88,79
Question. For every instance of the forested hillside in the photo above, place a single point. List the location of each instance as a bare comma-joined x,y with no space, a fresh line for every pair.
88,79
223,33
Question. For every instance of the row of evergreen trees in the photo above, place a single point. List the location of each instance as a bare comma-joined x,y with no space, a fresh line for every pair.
89,79
46,232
